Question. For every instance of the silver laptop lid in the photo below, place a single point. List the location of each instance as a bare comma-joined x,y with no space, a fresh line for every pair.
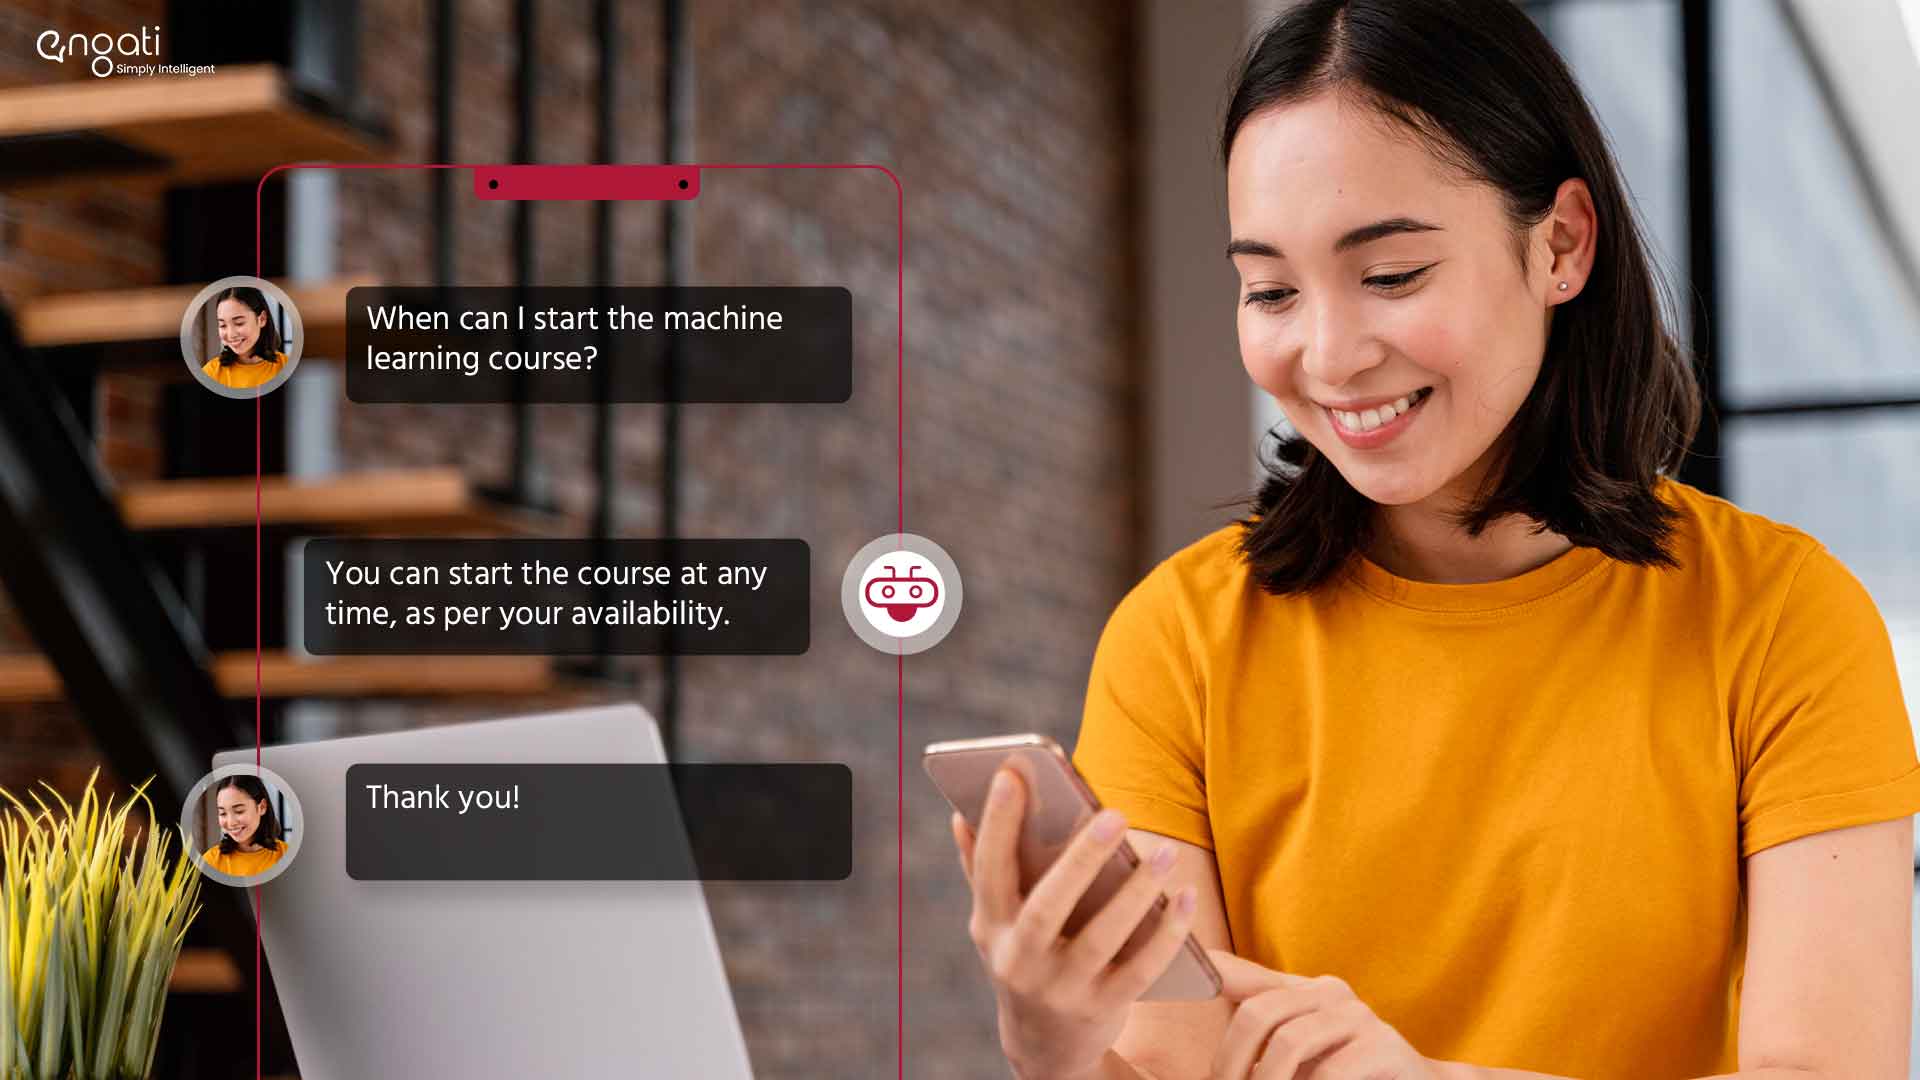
489,980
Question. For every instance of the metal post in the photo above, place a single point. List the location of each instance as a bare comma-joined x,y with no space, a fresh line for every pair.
524,481
445,42
1703,467
673,97
605,151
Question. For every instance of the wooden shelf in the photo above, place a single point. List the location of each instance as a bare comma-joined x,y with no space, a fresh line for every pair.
28,677
235,123
206,971
285,676
143,325
402,502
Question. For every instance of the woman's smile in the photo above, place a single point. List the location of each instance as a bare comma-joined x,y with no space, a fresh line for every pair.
1374,422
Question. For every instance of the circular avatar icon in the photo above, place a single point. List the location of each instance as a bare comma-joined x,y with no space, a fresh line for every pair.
243,825
901,594
241,337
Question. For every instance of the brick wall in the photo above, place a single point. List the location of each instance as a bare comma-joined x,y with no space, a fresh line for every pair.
74,237
1009,126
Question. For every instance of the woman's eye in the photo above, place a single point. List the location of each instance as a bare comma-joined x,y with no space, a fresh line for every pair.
1390,282
1268,298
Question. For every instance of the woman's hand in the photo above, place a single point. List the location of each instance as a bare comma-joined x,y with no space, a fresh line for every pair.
1290,1026
1062,1001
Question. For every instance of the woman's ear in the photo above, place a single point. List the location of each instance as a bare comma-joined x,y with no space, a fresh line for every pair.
1568,236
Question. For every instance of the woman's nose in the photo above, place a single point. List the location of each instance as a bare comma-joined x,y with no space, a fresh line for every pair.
1336,347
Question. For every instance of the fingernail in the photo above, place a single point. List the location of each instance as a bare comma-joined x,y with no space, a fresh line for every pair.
1162,860
1107,825
1183,902
1001,788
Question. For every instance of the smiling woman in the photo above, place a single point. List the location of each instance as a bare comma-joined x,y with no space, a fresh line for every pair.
1482,744
241,337
1521,307
250,353
250,835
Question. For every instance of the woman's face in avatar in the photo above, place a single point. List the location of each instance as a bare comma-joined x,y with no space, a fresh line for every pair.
1382,300
239,814
239,325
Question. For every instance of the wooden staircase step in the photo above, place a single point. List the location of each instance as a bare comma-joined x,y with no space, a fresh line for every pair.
142,326
286,676
206,971
236,123
409,502
28,677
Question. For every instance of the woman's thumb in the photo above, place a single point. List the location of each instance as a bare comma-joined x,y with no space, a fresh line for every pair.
1242,979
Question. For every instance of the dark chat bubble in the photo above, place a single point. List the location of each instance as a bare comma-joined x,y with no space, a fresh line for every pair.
585,343
599,822
555,597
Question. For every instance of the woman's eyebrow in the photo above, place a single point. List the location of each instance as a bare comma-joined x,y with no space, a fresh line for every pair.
1365,234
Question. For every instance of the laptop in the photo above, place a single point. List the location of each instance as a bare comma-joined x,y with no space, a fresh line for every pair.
484,980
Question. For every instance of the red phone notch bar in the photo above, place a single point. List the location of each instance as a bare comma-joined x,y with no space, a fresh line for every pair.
512,183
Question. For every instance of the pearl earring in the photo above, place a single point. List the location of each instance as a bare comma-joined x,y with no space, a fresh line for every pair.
1563,286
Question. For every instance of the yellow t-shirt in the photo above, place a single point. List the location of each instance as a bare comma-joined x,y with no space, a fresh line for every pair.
1511,815
245,863
245,376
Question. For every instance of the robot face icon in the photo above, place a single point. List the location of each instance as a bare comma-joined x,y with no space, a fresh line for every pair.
901,593
902,596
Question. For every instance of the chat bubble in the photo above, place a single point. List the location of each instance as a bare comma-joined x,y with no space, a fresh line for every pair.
578,344
599,822
555,597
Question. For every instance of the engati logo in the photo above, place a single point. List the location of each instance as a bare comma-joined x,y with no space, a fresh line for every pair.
112,54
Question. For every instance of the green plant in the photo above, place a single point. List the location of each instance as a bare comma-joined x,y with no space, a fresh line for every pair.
92,923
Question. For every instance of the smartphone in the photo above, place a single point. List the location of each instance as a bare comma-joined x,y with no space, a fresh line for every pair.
1059,803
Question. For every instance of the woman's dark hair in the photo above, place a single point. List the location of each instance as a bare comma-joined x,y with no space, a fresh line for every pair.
1615,403
268,342
266,834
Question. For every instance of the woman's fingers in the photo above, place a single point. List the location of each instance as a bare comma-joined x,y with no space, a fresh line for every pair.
1241,979
996,850
1126,982
1300,1040
963,842
1100,940
1254,1020
1057,892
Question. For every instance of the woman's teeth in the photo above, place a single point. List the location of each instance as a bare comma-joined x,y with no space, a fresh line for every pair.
1368,419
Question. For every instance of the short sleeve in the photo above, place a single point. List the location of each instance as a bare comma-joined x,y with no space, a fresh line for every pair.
1828,743
1142,740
